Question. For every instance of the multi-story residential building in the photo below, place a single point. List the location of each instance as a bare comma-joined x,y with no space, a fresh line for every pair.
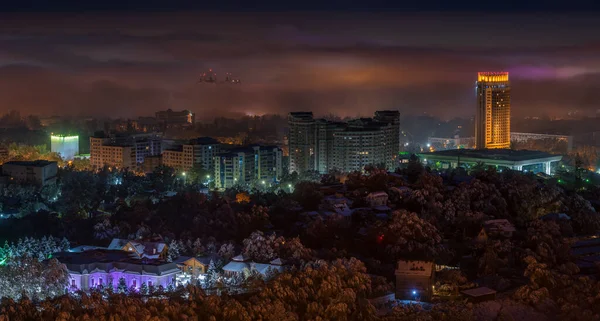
269,165
228,169
199,151
123,150
103,153
243,165
102,268
39,172
301,141
151,162
171,118
492,120
323,145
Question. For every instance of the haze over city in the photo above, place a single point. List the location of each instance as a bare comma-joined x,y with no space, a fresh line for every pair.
263,160
129,64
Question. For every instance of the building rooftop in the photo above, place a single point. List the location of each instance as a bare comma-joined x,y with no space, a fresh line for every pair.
112,260
36,163
144,249
497,154
500,225
203,141
424,268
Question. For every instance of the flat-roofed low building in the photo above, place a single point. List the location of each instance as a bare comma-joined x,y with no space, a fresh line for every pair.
241,265
414,280
480,294
39,172
500,228
520,160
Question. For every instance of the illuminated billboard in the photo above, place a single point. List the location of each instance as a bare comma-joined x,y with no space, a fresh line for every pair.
66,146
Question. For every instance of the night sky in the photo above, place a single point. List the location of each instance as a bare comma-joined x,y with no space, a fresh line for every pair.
124,63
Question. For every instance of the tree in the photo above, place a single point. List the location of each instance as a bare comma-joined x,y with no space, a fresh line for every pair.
262,248
122,286
414,169
197,247
408,236
26,276
144,290
227,251
104,230
212,275
308,195
173,251
242,197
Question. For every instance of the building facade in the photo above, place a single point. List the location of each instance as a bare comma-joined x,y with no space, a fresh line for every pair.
40,172
301,141
123,151
414,280
322,145
200,151
102,153
66,146
492,120
245,165
102,268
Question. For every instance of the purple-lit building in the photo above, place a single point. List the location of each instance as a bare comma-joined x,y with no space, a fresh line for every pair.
100,267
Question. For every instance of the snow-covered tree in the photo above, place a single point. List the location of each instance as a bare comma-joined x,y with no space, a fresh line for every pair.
408,236
122,286
29,277
197,248
212,275
227,251
144,289
173,251
41,249
262,248
104,230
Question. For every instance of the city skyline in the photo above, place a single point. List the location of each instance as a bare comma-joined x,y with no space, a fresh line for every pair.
127,65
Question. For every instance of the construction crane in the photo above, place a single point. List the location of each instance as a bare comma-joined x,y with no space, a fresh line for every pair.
211,78
230,79
208,77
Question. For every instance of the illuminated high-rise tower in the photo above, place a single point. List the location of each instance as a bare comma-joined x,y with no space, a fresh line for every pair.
492,122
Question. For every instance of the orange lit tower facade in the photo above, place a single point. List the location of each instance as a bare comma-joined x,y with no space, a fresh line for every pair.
492,122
